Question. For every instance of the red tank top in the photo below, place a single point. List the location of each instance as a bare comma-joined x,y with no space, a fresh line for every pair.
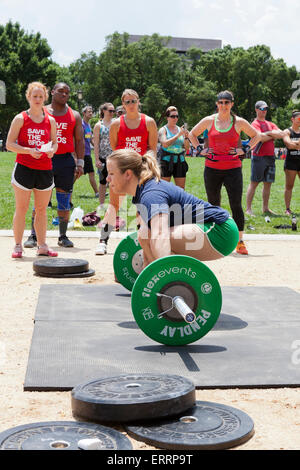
65,131
34,135
134,139
221,142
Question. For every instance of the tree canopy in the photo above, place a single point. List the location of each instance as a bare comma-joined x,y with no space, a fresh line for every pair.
24,58
159,75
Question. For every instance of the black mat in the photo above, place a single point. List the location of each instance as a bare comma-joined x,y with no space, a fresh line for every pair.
86,332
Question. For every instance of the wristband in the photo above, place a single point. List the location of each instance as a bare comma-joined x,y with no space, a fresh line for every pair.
80,162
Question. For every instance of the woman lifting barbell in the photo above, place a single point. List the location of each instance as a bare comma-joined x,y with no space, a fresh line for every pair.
171,220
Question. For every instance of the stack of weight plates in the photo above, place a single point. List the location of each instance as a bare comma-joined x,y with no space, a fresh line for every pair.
62,268
162,411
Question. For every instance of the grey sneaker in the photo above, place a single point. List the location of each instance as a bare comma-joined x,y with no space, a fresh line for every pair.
65,242
31,242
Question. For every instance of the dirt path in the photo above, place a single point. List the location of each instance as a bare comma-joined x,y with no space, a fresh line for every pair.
275,412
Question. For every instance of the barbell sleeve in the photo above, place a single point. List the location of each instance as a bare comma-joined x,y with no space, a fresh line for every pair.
184,310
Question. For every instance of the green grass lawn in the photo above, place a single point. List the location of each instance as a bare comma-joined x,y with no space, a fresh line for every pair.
83,196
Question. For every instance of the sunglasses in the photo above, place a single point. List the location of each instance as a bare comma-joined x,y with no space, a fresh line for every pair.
111,110
130,102
263,109
174,116
224,102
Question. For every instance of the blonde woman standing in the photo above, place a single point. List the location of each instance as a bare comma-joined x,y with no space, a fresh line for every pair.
29,131
133,130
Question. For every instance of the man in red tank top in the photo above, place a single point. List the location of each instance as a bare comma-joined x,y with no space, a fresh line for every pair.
68,160
133,130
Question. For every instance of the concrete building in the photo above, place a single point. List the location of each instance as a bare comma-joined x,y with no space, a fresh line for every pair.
181,45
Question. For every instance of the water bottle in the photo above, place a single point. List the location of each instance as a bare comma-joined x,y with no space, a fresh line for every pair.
294,222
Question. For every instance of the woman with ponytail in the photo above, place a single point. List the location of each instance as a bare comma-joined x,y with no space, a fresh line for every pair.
171,221
223,165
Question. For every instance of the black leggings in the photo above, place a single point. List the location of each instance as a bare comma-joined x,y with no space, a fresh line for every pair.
233,182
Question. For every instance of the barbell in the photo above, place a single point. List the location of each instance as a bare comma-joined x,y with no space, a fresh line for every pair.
175,300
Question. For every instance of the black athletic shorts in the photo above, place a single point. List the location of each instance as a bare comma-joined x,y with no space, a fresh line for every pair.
28,178
177,170
63,171
263,169
88,164
102,172
292,163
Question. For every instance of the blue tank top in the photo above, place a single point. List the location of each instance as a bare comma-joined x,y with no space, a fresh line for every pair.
176,148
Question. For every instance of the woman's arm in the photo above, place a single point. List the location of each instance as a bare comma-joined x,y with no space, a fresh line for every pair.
198,129
251,132
168,142
153,134
289,143
12,137
96,136
53,137
113,133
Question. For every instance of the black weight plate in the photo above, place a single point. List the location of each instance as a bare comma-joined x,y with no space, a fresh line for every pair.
88,273
206,426
132,397
60,266
61,435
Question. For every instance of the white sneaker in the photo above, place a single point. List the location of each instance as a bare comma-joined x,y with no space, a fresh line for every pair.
101,249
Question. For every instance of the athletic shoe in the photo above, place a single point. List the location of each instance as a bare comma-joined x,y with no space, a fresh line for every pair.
65,242
17,253
288,211
101,249
241,248
31,242
46,251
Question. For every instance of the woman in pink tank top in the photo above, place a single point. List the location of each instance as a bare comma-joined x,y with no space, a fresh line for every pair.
223,165
32,135
133,130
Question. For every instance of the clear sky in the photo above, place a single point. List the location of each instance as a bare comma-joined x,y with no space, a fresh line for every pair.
73,27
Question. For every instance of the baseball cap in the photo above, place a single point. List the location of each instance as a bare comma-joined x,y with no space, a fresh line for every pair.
261,104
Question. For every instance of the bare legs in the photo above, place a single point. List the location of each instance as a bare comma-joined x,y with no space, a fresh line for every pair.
22,199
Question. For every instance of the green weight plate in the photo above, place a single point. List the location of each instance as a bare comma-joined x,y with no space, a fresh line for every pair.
128,261
172,276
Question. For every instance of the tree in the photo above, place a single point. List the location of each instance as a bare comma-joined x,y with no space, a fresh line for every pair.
159,75
23,58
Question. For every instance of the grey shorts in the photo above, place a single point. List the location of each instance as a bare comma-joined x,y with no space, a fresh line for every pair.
263,169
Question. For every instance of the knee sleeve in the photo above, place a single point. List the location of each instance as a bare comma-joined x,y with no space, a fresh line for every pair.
63,201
